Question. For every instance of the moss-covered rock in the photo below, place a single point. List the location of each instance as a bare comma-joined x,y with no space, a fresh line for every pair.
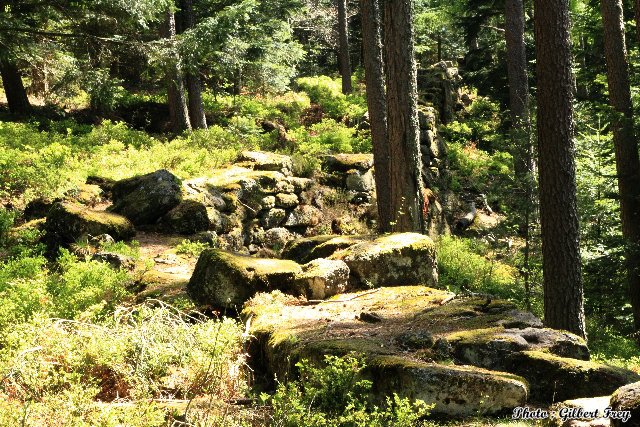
555,378
144,199
300,249
627,398
225,279
67,223
322,278
272,218
189,217
455,390
393,260
287,331
490,347
303,216
268,161
586,412
347,162
286,200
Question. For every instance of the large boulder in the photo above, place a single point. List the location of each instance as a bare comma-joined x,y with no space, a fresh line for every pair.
189,217
378,325
67,223
144,199
455,390
555,378
392,260
625,399
224,279
322,278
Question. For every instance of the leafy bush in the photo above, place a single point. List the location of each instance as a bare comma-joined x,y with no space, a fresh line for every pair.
327,93
463,264
191,248
88,288
336,395
330,136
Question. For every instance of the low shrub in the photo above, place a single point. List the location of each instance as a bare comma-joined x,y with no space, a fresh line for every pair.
336,395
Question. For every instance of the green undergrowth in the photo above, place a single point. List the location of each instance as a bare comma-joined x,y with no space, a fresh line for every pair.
336,395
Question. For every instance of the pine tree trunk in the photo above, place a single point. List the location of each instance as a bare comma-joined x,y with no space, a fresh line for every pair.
14,88
563,292
343,54
402,118
176,95
624,140
636,8
518,92
192,78
377,103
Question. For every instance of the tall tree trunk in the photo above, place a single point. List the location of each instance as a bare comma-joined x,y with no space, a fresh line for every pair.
624,140
343,54
14,88
520,123
377,103
178,110
636,8
563,292
405,164
192,77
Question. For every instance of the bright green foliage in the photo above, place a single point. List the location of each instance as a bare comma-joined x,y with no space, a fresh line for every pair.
86,289
327,93
329,136
191,248
336,395
464,264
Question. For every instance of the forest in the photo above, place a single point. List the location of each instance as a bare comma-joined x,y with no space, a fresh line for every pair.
323,213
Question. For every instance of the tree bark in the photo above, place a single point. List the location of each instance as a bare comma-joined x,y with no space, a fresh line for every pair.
192,77
377,103
405,165
14,88
343,54
563,292
178,110
636,8
624,141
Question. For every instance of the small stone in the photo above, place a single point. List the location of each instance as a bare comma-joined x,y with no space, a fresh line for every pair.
277,237
273,218
116,261
268,202
359,181
369,317
303,216
286,201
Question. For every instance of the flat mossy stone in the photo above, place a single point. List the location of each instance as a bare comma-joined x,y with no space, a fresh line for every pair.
144,199
400,259
490,347
225,279
68,222
554,378
455,390
268,161
300,249
347,162
627,398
